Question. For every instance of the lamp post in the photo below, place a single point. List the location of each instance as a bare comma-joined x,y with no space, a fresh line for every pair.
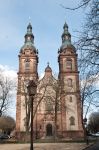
32,91
85,131
0,113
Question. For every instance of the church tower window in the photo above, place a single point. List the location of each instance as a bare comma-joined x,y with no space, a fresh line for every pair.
69,82
70,99
72,120
27,65
48,105
69,64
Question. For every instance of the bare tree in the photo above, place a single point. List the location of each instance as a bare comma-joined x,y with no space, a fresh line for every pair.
6,92
88,49
88,43
89,92
83,3
93,124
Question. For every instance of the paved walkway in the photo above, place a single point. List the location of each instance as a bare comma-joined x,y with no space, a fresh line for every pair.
44,146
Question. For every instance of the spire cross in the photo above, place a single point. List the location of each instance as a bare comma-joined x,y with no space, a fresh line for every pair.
48,63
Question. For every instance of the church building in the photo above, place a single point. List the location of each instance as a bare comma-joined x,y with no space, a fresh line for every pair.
57,109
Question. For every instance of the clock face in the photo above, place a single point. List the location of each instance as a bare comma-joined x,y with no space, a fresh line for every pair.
28,38
66,37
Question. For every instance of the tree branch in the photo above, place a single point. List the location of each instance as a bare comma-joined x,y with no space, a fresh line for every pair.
79,6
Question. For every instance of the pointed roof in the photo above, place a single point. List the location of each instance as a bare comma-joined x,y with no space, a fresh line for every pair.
48,68
29,39
65,27
66,37
48,78
29,29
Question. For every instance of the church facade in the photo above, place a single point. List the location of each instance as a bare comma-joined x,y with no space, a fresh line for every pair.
57,109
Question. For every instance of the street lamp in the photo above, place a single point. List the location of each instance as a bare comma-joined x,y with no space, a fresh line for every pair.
85,130
0,113
32,91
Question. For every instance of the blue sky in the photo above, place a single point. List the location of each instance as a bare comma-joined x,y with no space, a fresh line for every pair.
47,18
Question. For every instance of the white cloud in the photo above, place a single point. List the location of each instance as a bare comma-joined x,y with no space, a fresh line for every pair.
7,71
41,76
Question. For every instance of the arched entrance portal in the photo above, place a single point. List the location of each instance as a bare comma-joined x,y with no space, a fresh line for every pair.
49,130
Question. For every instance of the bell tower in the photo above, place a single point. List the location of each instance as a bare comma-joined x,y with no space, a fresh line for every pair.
71,117
28,70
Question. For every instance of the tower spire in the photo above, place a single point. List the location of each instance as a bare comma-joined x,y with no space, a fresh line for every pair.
29,28
29,40
65,27
29,37
66,36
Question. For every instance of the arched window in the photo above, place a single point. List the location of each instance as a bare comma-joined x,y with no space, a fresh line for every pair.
27,64
70,99
48,105
72,120
58,107
69,82
69,64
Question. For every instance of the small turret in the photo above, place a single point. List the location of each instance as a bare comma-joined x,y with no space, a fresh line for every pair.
48,70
